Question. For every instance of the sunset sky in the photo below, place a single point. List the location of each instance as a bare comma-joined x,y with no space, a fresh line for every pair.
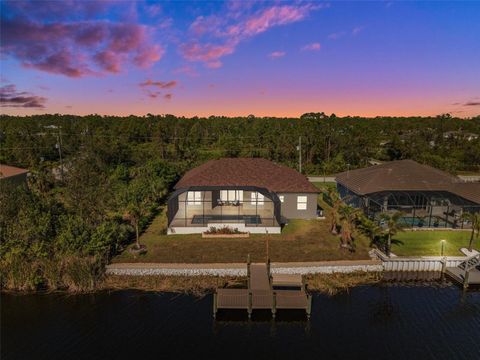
274,58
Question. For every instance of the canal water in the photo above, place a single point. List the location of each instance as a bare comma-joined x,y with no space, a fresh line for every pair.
368,322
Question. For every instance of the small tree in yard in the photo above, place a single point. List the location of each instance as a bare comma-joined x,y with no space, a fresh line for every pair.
336,203
391,227
134,214
474,218
371,229
140,198
348,216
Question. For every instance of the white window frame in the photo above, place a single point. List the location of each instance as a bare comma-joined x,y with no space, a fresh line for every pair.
194,198
302,202
231,195
257,199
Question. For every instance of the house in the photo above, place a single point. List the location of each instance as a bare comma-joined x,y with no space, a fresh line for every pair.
250,194
13,174
428,197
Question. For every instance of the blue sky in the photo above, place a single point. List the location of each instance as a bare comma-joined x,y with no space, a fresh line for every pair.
235,58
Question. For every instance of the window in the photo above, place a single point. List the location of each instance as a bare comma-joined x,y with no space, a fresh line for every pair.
301,203
282,198
231,195
194,198
257,198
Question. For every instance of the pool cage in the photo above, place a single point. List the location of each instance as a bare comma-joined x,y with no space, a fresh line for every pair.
205,206
421,209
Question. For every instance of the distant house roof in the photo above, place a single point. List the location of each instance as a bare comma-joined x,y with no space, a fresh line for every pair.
7,171
406,175
247,172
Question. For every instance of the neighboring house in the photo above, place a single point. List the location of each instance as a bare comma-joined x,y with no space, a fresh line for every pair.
427,196
13,174
251,194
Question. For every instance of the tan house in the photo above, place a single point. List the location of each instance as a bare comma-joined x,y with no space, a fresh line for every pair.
251,194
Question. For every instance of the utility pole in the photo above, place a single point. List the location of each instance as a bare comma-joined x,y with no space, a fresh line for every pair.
299,149
59,147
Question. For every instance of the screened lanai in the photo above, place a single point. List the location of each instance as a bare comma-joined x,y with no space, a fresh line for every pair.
429,209
426,196
205,206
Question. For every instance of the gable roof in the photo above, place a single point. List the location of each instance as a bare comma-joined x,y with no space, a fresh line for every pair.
7,171
247,172
406,175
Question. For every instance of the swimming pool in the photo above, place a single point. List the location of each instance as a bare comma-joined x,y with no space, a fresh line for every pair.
434,222
247,219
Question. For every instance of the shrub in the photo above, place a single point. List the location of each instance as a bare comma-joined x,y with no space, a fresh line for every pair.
226,230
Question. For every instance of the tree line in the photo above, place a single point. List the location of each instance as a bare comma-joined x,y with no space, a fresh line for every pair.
96,181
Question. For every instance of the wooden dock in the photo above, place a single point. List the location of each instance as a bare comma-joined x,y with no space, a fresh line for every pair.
264,291
467,273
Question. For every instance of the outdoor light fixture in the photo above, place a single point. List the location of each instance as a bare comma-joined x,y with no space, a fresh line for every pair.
443,246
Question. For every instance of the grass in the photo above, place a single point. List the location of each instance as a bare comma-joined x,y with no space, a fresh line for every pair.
301,240
428,243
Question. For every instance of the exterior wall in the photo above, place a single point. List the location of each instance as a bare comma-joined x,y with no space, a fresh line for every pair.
289,206
239,226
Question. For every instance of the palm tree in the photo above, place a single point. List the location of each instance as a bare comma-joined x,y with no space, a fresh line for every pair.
348,216
474,218
370,228
391,227
336,203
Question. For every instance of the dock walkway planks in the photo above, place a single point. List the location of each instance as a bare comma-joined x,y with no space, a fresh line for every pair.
261,295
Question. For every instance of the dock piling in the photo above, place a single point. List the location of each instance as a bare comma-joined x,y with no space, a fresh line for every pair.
250,302
215,305
274,305
309,306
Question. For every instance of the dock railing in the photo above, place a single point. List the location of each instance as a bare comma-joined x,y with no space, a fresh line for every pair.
418,263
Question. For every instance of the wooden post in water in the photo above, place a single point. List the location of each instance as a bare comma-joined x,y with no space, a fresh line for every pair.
248,271
444,266
214,304
309,306
274,305
249,308
465,279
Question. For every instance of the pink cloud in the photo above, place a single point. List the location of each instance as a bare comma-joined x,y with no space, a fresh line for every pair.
160,84
236,24
312,47
80,48
277,54
153,89
10,97
207,53
274,16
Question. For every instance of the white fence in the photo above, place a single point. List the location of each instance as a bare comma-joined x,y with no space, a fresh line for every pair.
424,263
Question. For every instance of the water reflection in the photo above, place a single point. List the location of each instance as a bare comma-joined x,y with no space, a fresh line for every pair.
385,321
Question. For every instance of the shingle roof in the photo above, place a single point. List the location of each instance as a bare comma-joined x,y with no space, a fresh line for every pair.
468,190
406,175
247,172
8,171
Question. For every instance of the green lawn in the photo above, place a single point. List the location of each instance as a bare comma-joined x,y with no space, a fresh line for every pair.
301,240
428,243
